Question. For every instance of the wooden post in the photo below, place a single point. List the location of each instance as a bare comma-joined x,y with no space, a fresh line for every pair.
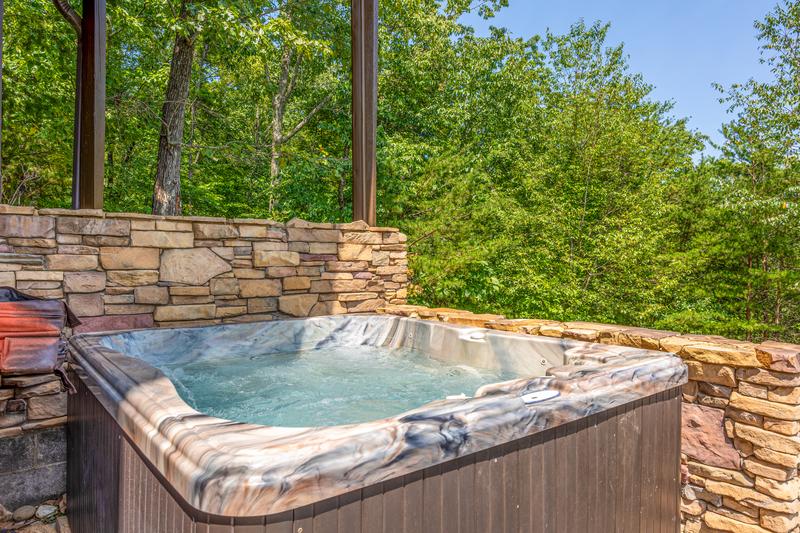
92,104
364,39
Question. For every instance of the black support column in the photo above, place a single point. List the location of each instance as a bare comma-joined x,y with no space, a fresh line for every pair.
364,36
92,108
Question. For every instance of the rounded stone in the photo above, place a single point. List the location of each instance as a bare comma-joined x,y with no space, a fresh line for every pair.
43,511
25,512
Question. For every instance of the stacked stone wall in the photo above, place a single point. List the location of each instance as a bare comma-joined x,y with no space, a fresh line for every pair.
124,271
741,418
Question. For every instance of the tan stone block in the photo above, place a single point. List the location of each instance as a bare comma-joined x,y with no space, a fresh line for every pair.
297,304
768,377
779,522
151,295
7,209
128,309
720,474
144,225
269,246
28,285
751,389
744,416
162,239
742,508
788,490
788,460
32,243
45,293
323,248
328,308
86,304
94,226
71,262
721,354
39,275
296,283
191,267
104,240
27,226
229,311
50,406
42,389
169,313
189,300
254,288
68,239
768,439
355,252
129,258
790,395
757,467
252,232
75,249
215,231
281,272
779,356
357,296
764,407
248,273
380,258
361,237
366,306
133,278
339,285
692,507
276,258
116,299
224,286
313,235
173,225
736,515
784,427
346,266
189,291
262,305
7,279
391,270
747,495
84,281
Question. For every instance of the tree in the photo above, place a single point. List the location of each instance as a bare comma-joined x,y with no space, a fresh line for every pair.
167,189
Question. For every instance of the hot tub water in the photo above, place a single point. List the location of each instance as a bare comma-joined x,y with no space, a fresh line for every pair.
320,387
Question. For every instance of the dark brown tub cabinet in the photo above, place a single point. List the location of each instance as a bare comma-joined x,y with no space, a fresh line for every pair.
617,471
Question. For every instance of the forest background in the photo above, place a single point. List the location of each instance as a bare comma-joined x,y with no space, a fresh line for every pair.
534,177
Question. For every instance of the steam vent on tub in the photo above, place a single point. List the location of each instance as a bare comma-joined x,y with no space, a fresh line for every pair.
371,423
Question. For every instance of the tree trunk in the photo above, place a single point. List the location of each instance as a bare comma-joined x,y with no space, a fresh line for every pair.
167,190
279,101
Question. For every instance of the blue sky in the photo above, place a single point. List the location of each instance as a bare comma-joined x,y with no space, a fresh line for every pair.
680,46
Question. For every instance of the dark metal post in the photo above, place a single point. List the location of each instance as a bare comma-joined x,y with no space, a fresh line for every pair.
92,104
364,38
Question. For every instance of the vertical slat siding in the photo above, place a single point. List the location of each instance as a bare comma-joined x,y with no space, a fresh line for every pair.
466,495
450,522
394,505
371,509
615,471
432,500
412,506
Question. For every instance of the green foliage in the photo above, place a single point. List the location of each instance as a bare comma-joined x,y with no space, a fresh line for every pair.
534,177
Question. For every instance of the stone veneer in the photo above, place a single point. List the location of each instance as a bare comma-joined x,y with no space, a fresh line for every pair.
127,270
741,418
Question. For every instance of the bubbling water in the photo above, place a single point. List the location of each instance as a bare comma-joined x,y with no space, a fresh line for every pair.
321,387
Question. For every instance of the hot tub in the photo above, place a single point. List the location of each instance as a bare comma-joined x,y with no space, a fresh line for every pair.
370,423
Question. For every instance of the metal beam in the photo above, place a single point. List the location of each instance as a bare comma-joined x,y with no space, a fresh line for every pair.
364,39
92,105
